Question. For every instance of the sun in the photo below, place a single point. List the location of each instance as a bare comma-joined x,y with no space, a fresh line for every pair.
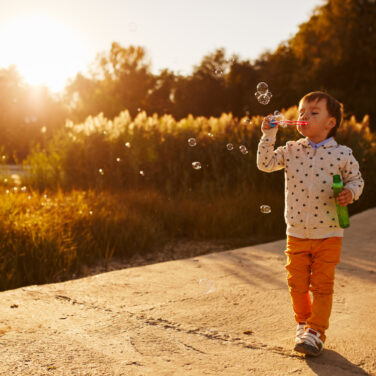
44,51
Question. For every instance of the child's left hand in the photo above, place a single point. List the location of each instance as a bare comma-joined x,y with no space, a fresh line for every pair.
345,197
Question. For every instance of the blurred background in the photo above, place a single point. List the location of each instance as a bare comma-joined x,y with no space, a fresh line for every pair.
98,100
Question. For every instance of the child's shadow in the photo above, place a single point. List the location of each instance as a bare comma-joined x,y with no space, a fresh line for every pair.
333,364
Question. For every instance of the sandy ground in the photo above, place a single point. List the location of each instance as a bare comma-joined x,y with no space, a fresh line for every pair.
226,313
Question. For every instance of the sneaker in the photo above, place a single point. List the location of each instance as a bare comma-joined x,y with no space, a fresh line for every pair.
310,343
299,331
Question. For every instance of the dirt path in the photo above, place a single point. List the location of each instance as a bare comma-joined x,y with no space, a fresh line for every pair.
160,320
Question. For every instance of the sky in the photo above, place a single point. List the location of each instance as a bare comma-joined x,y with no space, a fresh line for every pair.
50,41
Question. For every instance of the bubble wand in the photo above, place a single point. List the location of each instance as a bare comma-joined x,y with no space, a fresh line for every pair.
273,123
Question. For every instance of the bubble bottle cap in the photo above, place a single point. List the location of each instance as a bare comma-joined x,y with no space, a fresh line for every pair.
336,179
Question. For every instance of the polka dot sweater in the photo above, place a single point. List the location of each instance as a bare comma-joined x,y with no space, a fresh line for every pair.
310,209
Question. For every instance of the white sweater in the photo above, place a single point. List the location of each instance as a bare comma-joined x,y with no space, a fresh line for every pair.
310,209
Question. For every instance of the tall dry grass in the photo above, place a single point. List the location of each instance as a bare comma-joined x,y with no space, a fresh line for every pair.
87,216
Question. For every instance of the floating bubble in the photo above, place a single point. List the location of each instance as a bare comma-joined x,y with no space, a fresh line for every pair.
118,159
7,192
127,145
192,142
206,286
101,171
230,146
218,71
142,173
210,134
264,98
196,165
91,212
23,189
243,149
15,189
262,87
265,209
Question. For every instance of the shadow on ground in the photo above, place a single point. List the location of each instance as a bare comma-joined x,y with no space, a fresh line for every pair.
332,363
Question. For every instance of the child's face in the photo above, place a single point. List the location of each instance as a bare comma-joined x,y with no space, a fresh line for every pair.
320,122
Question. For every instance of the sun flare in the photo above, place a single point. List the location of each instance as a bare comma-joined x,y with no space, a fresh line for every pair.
44,51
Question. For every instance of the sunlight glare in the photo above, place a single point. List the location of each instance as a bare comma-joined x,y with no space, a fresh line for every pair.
44,51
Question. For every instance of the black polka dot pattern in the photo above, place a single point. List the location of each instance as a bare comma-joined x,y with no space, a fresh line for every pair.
310,205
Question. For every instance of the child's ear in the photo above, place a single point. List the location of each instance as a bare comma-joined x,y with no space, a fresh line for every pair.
332,122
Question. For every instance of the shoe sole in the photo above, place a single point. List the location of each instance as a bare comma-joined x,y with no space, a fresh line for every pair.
307,349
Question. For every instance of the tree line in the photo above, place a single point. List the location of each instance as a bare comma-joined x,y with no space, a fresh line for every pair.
334,51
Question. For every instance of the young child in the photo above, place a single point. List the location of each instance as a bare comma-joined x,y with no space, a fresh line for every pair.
314,237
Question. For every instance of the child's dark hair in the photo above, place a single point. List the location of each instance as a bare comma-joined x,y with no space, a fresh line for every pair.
334,107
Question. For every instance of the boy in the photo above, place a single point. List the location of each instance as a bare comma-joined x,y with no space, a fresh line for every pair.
314,238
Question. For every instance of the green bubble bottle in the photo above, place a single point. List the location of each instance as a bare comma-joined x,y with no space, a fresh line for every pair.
342,211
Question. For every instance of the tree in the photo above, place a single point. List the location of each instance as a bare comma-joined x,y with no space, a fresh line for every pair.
121,79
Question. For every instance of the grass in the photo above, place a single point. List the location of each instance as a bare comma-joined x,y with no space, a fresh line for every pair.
68,215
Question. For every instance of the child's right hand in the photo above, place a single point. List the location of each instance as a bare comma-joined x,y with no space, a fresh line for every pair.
266,123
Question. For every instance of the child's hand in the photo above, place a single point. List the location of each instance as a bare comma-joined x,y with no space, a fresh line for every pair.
345,197
266,123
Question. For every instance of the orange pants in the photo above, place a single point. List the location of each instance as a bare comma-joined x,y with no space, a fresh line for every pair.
310,265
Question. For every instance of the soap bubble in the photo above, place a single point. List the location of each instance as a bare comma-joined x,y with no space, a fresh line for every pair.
264,98
230,146
265,209
118,159
207,286
192,142
142,173
196,165
218,70
243,149
277,116
101,171
262,88
127,145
